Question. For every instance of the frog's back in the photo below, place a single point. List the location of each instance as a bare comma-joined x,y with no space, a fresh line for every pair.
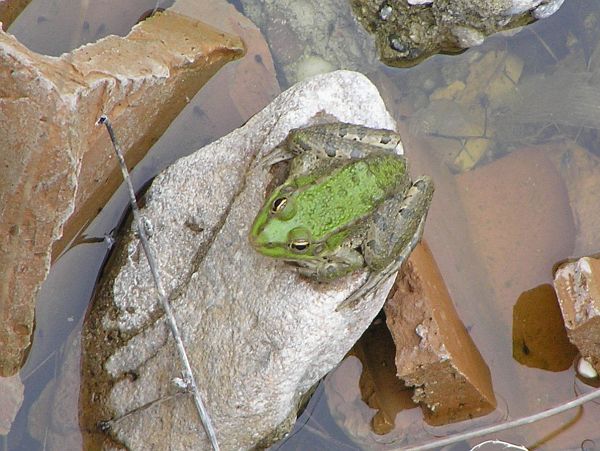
351,192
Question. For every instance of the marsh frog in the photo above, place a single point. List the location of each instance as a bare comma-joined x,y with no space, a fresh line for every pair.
347,203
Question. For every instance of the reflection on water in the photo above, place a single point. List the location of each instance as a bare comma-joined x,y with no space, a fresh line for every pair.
509,132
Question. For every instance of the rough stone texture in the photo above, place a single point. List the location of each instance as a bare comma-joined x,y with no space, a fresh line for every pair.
258,335
577,285
406,33
57,165
10,9
434,352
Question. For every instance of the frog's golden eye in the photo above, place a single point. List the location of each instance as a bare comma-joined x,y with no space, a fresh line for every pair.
283,208
299,240
300,245
278,204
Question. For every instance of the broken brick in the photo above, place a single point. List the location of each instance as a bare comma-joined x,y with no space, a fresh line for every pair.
434,352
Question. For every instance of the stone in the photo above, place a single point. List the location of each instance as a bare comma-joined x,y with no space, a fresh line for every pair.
258,335
577,285
434,352
580,170
411,31
58,174
519,215
10,9
585,369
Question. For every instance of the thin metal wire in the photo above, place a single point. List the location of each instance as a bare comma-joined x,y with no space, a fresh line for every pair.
152,262
508,425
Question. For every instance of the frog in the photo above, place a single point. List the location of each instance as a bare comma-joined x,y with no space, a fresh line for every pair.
348,203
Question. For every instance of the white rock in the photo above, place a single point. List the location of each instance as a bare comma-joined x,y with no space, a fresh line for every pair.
547,9
585,369
541,9
258,335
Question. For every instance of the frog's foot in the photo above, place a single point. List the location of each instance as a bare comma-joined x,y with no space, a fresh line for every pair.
376,278
275,155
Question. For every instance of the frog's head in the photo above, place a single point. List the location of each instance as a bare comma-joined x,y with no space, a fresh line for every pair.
278,230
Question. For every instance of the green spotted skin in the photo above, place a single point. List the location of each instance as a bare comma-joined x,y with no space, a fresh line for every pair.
342,198
347,203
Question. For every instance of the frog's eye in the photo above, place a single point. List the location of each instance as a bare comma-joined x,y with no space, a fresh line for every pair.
299,240
300,246
283,207
278,204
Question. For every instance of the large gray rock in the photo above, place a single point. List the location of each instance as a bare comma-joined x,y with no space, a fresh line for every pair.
259,336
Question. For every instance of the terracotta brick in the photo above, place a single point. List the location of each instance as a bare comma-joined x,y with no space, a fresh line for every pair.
434,352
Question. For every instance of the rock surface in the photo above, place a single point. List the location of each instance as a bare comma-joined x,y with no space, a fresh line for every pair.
434,352
59,170
407,32
10,9
577,285
258,335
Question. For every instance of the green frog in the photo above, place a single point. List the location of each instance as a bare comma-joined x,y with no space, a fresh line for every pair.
347,203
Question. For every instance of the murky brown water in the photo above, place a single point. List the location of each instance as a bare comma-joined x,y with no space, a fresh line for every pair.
495,230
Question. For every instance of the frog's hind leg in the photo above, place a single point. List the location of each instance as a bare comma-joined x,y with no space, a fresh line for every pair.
343,141
388,246
336,140
379,137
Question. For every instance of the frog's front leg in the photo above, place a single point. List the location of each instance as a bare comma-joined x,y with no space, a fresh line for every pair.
396,230
343,261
